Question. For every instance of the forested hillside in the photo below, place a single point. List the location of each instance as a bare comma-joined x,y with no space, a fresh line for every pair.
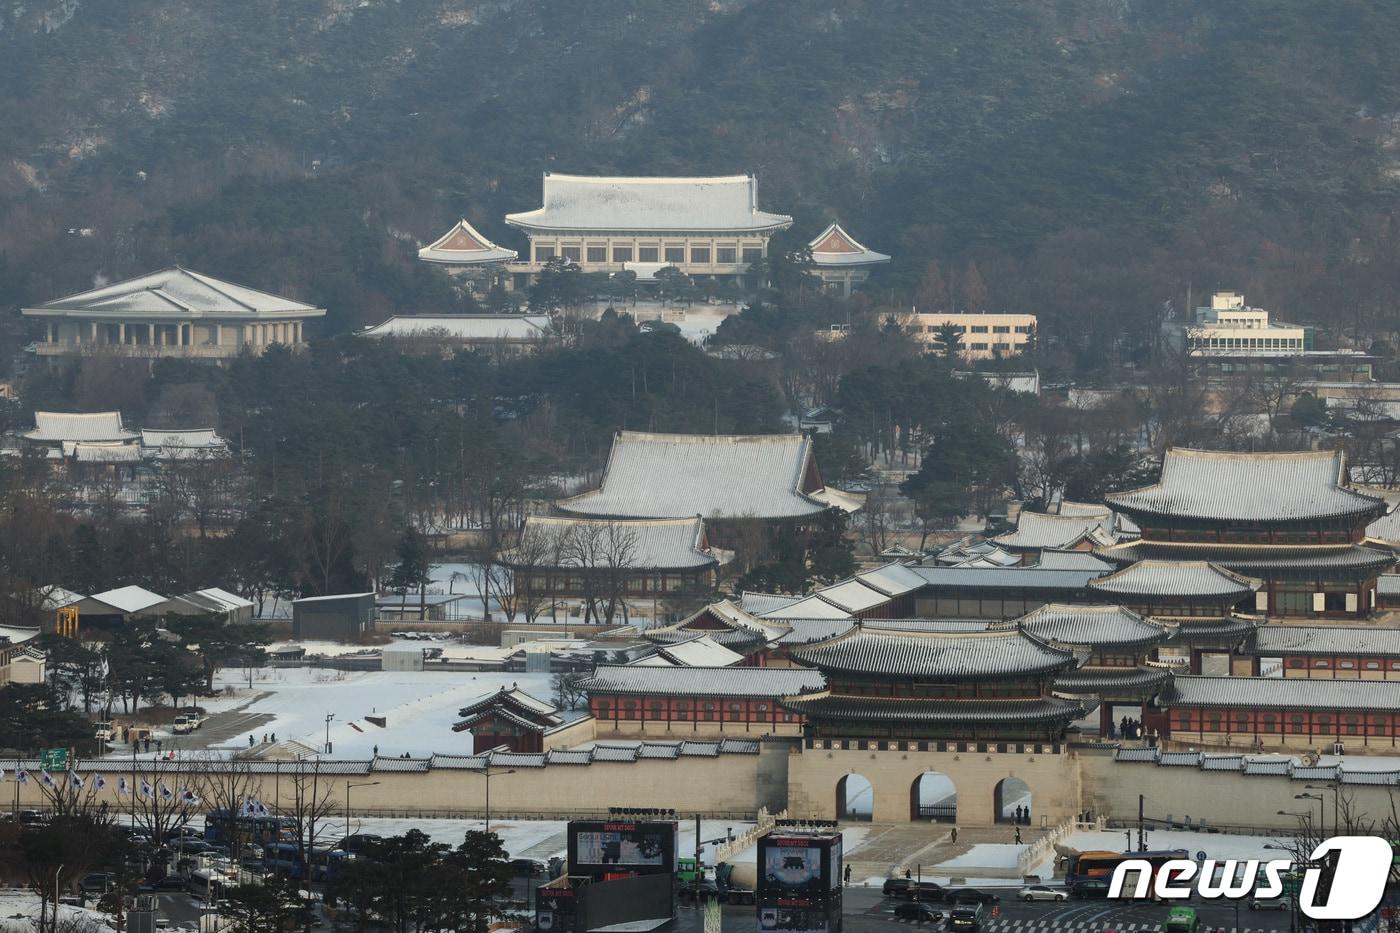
1092,157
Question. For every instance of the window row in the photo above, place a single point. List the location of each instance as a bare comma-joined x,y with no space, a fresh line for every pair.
1344,664
675,255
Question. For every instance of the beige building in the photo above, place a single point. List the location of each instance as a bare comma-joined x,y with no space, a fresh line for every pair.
705,227
984,335
1229,327
171,313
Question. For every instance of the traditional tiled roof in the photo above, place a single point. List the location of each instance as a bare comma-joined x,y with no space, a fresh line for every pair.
996,557
728,476
1176,578
1262,487
939,655
1281,693
872,709
465,328
1039,530
583,202
1094,626
853,595
1257,559
104,453
932,625
892,579
1071,507
463,245
1109,680
811,607
182,444
1199,631
1386,529
759,603
724,613
1026,578
98,427
516,698
175,293
698,651
213,599
835,247
1388,584
609,679
654,544
1326,639
1051,559
807,631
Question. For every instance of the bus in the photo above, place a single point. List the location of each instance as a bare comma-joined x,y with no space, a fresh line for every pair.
1180,920
1099,866
223,828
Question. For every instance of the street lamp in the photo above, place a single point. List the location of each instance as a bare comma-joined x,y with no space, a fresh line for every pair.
1321,815
329,717
348,787
1336,805
489,774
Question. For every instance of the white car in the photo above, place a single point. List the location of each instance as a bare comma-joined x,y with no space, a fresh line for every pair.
1039,892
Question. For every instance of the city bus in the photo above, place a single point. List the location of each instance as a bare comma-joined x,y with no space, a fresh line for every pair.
225,829
1099,866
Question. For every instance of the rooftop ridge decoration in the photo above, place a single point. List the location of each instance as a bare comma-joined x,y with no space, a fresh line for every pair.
464,245
835,247
1156,577
1225,486
954,655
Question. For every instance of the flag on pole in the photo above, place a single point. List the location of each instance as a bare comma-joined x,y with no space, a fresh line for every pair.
146,789
123,788
22,776
47,779
165,792
99,782
259,809
188,796
2,775
74,779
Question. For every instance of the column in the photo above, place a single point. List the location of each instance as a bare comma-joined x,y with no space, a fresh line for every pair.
121,332
218,335
151,334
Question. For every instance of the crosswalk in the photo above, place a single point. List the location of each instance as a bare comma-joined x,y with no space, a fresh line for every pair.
1010,925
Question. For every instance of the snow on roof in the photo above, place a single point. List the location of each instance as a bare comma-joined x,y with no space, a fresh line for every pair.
1385,529
1051,559
318,599
1176,578
56,597
182,444
585,202
175,292
128,598
729,476
1227,486
104,453
1280,692
853,595
835,247
700,651
17,635
464,327
670,544
892,579
1041,530
759,603
213,599
1066,624
811,607
463,245
92,427
1327,640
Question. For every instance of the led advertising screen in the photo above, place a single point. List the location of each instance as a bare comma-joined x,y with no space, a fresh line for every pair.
796,870
796,920
611,848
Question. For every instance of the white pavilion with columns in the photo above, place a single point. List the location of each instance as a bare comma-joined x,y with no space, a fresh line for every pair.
171,313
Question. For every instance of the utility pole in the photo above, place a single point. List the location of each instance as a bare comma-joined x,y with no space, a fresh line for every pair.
699,865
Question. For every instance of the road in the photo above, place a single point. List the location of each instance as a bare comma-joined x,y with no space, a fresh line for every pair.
867,911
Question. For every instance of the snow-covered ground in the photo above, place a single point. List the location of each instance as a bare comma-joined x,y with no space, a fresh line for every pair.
19,913
420,706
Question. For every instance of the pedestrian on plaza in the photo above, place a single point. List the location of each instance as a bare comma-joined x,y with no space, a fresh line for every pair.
1018,835
955,834
908,875
250,740
848,874
274,736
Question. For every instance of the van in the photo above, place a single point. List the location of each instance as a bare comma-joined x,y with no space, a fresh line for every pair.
966,917
1180,920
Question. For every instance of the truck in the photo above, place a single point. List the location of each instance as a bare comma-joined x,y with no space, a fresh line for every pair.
722,888
185,723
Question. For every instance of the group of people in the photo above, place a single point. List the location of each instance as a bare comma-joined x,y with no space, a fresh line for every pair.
1129,728
1021,815
251,743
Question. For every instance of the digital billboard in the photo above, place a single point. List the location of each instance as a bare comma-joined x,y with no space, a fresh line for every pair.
799,869
612,848
797,920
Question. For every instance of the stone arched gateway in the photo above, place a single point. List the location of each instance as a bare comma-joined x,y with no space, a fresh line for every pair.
1049,773
1013,802
855,798
933,797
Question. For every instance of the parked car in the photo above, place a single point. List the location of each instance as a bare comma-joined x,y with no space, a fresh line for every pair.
102,730
528,867
966,917
895,887
1270,903
359,843
922,891
917,912
1040,892
96,882
1089,888
168,883
186,723
972,896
